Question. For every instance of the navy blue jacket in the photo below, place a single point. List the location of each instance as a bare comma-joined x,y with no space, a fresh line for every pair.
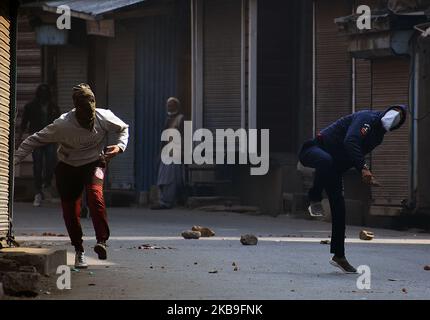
350,138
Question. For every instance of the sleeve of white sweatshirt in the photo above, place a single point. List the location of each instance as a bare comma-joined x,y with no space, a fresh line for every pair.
116,127
49,134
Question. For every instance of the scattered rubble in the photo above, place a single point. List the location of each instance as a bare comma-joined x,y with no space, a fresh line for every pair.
248,240
205,232
366,235
152,247
325,242
191,234
427,267
21,283
51,234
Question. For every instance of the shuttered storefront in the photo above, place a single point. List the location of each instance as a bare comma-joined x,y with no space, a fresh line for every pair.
222,64
29,72
363,84
71,69
390,161
156,74
121,100
332,63
5,92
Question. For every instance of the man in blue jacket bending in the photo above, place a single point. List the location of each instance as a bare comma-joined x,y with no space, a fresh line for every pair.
336,149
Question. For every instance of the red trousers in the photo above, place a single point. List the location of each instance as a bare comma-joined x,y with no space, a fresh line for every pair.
71,182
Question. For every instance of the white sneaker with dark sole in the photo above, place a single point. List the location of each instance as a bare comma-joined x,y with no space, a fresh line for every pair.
316,209
343,265
100,249
80,260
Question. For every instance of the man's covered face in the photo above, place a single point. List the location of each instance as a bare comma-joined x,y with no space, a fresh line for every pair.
393,119
85,104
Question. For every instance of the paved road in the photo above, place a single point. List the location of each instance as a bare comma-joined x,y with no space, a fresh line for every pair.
288,263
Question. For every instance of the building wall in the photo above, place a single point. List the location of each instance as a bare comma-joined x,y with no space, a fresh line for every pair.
6,60
333,64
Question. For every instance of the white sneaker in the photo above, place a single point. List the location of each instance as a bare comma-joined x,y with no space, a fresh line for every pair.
316,209
37,200
80,260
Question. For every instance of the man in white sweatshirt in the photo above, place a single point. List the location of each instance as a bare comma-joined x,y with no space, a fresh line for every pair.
81,135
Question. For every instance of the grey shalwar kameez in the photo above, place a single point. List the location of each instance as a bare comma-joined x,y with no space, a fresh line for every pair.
171,177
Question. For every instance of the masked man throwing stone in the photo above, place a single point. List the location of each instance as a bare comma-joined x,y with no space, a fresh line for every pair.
336,149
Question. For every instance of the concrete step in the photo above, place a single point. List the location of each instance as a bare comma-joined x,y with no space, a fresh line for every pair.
196,202
46,261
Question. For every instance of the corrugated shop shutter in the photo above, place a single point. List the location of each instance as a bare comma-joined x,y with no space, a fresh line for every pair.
29,76
390,161
121,100
363,84
5,64
71,69
156,74
333,63
222,64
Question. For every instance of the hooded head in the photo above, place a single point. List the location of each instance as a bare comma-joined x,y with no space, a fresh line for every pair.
43,93
394,117
85,104
173,106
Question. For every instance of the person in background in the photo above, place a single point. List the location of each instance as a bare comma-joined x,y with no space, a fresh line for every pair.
39,113
171,176
81,134
336,149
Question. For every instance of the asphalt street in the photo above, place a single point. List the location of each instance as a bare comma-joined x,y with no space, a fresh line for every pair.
148,259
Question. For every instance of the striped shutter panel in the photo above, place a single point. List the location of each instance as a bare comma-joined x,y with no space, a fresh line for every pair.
71,69
121,100
333,63
5,64
390,161
363,84
29,76
222,64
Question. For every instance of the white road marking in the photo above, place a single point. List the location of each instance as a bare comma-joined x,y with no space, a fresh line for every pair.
263,239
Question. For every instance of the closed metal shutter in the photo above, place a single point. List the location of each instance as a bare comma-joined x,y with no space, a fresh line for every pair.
156,74
121,100
29,72
5,64
363,84
390,161
71,70
332,63
222,64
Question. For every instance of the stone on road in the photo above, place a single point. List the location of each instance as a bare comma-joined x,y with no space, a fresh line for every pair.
248,240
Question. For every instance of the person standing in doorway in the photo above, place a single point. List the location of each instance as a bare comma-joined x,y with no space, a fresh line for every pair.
171,176
83,157
39,113
336,149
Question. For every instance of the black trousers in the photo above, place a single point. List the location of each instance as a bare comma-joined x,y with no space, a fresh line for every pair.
44,160
328,177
